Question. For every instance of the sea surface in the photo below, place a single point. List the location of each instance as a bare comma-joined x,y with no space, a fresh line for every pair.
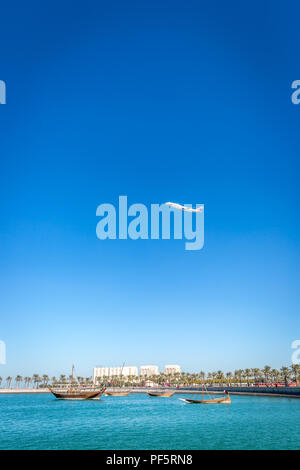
140,422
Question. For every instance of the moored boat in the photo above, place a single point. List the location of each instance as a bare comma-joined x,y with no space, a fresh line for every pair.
161,394
212,401
72,394
117,394
75,391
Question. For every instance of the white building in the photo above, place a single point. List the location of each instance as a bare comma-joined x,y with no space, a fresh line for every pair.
172,369
115,371
149,370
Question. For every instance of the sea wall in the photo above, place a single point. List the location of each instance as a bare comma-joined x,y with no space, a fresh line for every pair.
23,390
270,391
291,392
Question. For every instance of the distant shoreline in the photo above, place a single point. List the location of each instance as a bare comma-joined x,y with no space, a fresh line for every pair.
284,392
5,391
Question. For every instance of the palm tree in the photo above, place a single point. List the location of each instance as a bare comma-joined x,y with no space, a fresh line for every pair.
36,379
45,379
18,380
26,381
256,373
238,375
220,376
286,374
266,372
8,381
0,381
182,378
247,375
229,377
214,375
275,374
296,371
202,376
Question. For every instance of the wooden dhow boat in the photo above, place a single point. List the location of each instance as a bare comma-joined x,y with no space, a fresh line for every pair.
75,391
73,394
161,394
117,394
212,401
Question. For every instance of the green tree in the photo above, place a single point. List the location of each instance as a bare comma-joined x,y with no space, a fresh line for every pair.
8,381
229,377
266,373
239,375
220,376
62,379
18,380
26,381
275,374
247,375
36,379
45,379
214,376
286,374
296,371
202,376
256,374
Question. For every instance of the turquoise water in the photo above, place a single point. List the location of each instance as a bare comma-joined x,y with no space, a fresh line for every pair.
140,422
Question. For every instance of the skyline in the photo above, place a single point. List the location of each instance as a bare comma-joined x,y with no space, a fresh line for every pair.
187,106
162,370
266,372
290,374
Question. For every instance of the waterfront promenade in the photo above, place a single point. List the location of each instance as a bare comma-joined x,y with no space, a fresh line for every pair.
288,392
291,392
5,391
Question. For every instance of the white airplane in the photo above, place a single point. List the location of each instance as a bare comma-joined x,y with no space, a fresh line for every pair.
184,208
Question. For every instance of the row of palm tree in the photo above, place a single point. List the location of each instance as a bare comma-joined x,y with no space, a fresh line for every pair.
239,376
37,381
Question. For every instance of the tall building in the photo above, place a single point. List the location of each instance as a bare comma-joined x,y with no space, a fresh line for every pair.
149,370
115,371
172,369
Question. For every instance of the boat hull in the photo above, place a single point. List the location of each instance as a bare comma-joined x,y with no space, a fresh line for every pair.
78,395
213,401
161,394
117,394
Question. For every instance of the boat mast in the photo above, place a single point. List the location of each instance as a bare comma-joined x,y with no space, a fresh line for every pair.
122,372
72,380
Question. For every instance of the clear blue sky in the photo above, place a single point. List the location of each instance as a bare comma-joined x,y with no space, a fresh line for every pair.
111,98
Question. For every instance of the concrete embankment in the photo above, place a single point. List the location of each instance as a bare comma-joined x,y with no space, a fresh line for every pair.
288,392
291,392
